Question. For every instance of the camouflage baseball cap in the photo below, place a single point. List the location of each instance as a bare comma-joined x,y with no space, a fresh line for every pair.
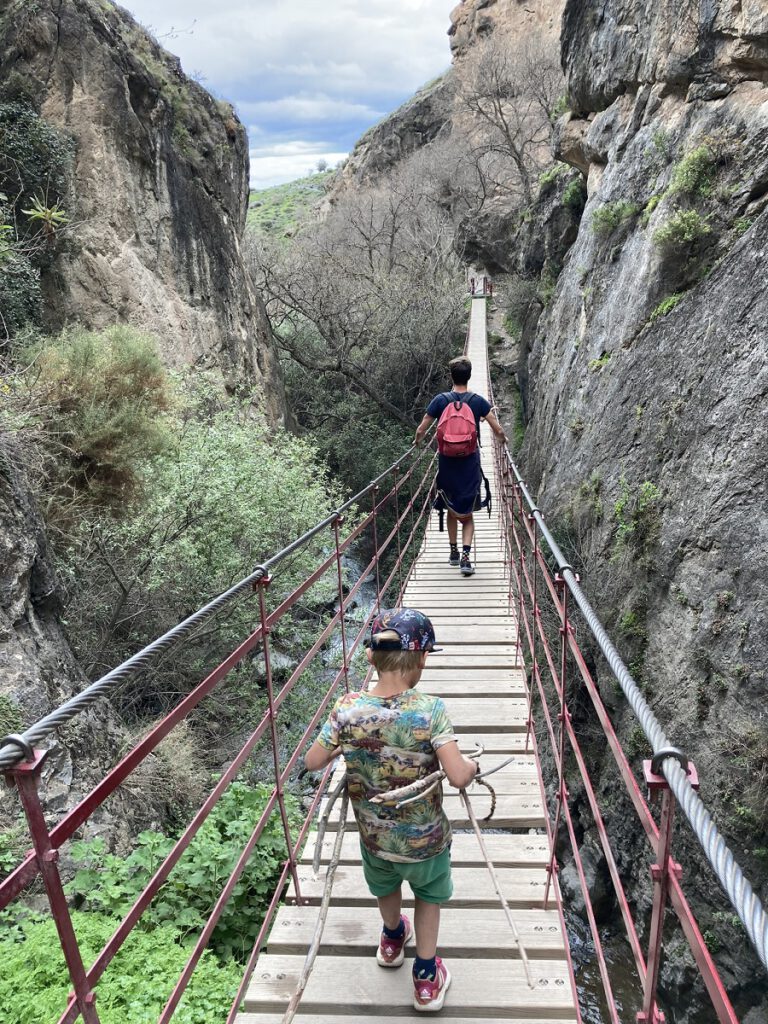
414,629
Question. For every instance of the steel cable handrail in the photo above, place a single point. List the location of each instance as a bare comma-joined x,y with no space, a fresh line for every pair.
21,745
745,901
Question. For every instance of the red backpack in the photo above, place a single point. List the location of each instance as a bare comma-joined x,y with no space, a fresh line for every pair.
457,429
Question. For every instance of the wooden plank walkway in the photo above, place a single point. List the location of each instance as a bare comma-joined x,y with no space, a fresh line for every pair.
483,684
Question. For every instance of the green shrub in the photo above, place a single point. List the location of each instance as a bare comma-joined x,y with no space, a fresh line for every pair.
222,497
575,194
110,885
10,716
608,217
596,365
682,230
14,841
100,396
34,983
666,306
637,514
35,159
549,177
650,206
19,292
694,175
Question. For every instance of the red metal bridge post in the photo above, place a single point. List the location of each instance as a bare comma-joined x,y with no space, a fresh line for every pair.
535,623
563,716
262,584
662,873
517,507
399,539
342,612
375,492
25,776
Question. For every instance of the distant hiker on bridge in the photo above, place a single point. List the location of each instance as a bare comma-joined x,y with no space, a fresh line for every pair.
392,736
459,476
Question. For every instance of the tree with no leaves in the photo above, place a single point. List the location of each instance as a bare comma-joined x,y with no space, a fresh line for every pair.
508,90
368,301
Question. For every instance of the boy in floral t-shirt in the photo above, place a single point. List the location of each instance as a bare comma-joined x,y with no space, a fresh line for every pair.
391,736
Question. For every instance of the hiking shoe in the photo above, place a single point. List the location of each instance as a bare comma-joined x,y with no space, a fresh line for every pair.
454,559
391,952
466,566
429,996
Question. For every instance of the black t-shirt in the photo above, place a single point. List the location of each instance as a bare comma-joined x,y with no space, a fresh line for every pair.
480,406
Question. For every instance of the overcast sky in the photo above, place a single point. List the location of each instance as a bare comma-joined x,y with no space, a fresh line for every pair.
307,77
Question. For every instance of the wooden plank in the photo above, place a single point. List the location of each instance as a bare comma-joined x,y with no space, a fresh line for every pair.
403,1017
474,672
464,687
504,850
513,810
483,635
451,661
487,713
465,933
479,988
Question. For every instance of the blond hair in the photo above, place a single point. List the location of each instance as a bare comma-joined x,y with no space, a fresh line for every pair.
403,662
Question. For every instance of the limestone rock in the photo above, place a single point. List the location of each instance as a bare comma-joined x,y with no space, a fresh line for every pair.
160,190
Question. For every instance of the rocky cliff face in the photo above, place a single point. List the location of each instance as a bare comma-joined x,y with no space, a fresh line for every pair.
157,215
476,19
415,124
648,390
160,189
38,673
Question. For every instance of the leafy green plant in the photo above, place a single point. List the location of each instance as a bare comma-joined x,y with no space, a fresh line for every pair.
34,983
13,842
575,194
548,282
50,218
595,365
561,107
650,206
666,306
637,514
109,884
608,217
682,230
99,397
10,716
550,176
694,175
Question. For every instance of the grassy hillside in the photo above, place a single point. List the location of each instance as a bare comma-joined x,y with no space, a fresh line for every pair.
279,209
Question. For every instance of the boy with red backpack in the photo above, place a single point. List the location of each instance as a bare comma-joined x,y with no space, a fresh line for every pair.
459,476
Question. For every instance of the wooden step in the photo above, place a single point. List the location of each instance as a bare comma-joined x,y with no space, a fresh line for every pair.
505,850
512,811
479,988
463,932
402,1018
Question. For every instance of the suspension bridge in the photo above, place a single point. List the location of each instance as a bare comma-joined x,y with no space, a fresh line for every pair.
510,666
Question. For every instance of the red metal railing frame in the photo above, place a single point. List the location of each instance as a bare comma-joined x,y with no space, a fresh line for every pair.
47,842
521,545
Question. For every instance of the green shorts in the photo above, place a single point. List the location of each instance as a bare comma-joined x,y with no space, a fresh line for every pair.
429,879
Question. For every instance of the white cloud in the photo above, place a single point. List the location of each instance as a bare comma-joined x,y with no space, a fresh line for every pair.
381,45
295,70
286,161
307,108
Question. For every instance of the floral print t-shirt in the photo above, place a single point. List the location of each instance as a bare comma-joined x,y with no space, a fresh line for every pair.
389,742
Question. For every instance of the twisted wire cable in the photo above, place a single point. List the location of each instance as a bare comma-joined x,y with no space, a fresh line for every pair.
743,898
16,747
